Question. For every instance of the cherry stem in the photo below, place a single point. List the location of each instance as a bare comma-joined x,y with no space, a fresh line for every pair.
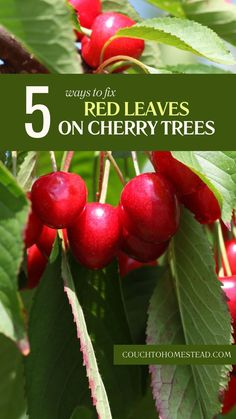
223,250
135,162
149,155
86,31
126,169
14,163
112,68
101,175
66,160
125,58
105,181
116,167
234,231
53,161
95,170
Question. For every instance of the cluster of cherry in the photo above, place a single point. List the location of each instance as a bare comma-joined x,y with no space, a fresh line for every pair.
137,231
141,226
103,27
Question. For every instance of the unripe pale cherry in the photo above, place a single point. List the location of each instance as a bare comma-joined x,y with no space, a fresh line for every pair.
149,208
95,236
87,11
33,227
104,27
36,264
141,250
58,198
183,178
127,264
203,204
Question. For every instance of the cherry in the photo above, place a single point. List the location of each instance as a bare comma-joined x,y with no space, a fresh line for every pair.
46,240
58,198
230,246
103,28
36,264
183,178
229,397
141,250
149,208
95,236
33,228
87,11
127,264
229,287
203,204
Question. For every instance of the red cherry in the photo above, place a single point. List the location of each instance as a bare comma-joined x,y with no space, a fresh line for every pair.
230,246
140,250
58,198
203,204
229,287
87,11
46,240
127,264
36,264
33,228
149,208
103,28
230,396
183,178
95,236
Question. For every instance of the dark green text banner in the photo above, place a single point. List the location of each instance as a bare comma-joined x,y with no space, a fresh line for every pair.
132,112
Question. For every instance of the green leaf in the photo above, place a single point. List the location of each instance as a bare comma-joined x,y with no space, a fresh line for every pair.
195,69
173,7
74,17
183,34
26,170
153,70
218,170
82,413
216,14
151,55
13,216
123,7
12,383
56,378
45,30
98,392
56,382
189,307
230,415
145,408
138,287
100,296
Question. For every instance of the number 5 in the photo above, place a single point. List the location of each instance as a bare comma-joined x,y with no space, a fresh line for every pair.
30,108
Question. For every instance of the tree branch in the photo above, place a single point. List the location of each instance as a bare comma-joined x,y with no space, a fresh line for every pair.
15,57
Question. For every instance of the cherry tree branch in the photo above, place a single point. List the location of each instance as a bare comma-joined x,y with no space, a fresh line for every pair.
16,57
